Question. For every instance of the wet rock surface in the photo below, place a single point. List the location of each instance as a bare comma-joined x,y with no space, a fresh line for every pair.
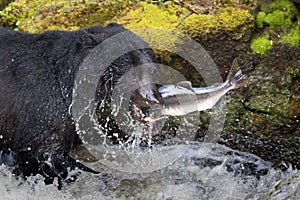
263,118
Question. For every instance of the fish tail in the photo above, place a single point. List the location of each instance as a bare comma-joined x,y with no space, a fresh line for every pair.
238,77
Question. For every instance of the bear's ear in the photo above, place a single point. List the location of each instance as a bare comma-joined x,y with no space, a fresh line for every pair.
109,30
92,36
89,40
95,29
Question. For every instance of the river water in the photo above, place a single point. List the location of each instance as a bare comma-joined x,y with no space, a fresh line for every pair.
202,171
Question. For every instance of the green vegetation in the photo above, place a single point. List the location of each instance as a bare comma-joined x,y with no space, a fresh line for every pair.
146,15
260,19
40,15
292,74
292,37
277,21
171,16
261,44
13,15
227,19
281,21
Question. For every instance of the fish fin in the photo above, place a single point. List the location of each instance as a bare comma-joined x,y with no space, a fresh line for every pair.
166,90
239,76
185,84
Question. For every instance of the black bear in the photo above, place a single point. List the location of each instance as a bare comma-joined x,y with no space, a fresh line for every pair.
37,73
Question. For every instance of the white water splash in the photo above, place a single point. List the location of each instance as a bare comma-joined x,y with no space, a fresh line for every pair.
206,171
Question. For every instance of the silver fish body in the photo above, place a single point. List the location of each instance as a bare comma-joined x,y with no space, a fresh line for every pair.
182,99
185,99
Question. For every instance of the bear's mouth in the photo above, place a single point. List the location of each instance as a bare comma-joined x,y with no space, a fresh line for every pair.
142,100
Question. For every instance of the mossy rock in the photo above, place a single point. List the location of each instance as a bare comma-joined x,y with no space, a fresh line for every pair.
225,20
261,44
176,17
280,22
235,21
41,15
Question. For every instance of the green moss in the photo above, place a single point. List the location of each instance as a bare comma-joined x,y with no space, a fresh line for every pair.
233,17
171,16
292,37
261,44
278,18
260,19
146,15
281,20
292,74
13,15
195,24
278,13
284,5
109,12
227,19
40,15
